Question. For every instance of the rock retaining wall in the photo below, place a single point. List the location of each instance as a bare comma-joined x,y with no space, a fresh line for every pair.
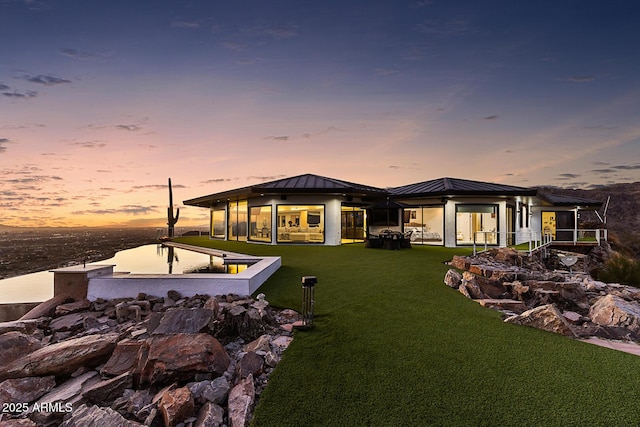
198,361
527,293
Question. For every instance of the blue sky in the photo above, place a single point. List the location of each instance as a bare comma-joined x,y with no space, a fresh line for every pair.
101,101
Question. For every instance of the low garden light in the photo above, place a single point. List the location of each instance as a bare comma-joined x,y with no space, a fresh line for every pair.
308,285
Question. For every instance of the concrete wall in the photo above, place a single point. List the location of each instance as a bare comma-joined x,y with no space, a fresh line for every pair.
130,285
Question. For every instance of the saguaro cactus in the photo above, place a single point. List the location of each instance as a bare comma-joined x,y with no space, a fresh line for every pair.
171,220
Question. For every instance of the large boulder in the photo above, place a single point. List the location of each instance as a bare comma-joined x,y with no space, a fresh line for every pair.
546,317
62,358
611,310
164,358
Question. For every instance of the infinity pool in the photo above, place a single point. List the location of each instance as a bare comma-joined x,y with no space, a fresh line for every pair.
158,259
147,259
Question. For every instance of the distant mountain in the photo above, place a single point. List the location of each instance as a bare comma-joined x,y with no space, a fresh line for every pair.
623,212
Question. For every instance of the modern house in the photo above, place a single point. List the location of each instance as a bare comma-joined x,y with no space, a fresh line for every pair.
312,209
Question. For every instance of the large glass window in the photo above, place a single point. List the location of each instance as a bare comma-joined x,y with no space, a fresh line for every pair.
218,216
479,222
426,224
300,224
260,227
352,224
237,223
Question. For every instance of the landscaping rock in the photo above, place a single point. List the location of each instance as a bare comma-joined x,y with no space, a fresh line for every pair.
215,391
14,345
62,358
25,389
176,406
453,279
69,322
250,364
260,344
210,415
72,307
53,406
94,416
546,317
184,320
241,401
179,357
123,359
129,357
27,326
611,310
109,390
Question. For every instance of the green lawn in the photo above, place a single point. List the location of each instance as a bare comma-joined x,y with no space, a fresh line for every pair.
392,345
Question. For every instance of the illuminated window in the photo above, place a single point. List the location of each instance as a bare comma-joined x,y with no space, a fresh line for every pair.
237,223
218,216
260,227
426,224
300,224
477,223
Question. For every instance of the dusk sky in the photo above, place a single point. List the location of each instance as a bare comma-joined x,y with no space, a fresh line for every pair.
102,101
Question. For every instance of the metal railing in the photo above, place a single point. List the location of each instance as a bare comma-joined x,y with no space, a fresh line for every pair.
597,235
535,240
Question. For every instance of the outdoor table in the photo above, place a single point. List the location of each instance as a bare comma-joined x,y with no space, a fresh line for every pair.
391,240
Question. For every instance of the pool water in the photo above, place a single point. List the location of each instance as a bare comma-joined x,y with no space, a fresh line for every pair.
147,259
158,259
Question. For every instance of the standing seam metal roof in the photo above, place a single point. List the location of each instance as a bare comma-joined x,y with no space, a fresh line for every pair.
457,186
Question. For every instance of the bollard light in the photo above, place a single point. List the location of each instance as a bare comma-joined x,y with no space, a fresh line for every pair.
308,283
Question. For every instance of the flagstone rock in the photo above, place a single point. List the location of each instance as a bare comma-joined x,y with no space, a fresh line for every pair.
176,406
260,344
62,358
14,345
282,342
25,389
181,320
72,307
515,306
546,317
241,401
612,310
94,416
179,357
210,415
69,322
123,359
27,326
20,422
107,391
62,400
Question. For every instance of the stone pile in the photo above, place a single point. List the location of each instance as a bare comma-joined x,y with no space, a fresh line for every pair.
569,303
172,361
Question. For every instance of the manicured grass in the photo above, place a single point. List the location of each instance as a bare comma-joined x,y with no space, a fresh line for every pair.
392,345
